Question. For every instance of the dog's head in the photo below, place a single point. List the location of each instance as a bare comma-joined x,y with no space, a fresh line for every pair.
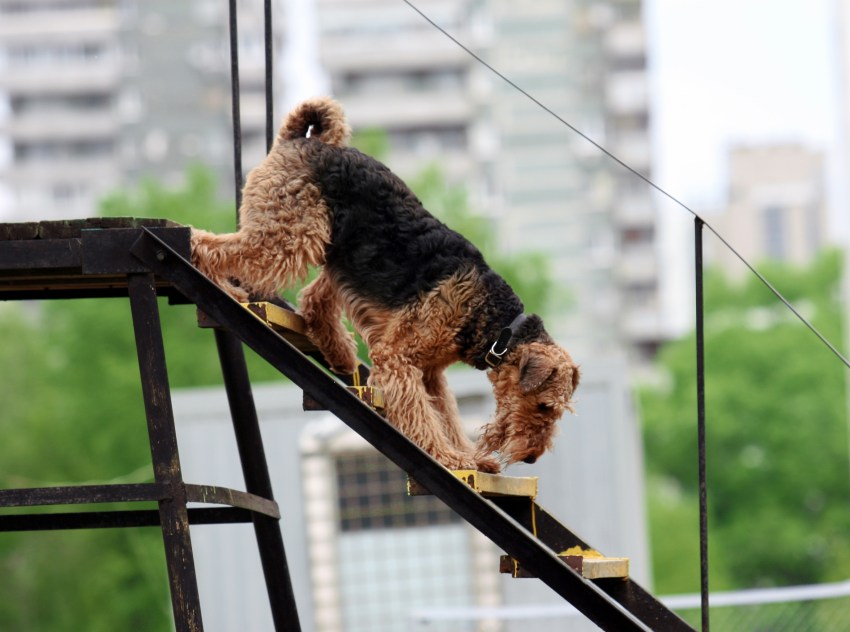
533,387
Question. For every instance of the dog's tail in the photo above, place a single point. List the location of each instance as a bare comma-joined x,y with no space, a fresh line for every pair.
321,117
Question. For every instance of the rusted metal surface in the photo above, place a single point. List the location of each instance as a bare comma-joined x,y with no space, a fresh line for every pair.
587,567
81,494
211,494
174,516
91,258
525,531
118,519
78,258
287,323
70,228
628,593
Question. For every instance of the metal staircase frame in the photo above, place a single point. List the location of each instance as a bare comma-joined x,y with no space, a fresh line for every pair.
619,605
104,258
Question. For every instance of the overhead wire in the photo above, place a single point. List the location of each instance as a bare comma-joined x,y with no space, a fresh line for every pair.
640,175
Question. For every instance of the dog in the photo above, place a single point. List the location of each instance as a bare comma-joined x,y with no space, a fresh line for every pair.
420,295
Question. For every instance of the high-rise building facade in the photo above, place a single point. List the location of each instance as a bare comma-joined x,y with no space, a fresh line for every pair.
776,208
60,126
95,94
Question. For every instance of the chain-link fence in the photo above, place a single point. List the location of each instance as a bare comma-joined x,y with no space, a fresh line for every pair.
821,608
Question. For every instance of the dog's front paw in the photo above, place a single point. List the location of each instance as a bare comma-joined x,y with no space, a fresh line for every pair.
458,461
236,292
488,464
347,368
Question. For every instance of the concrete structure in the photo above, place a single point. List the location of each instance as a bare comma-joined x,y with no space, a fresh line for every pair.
777,206
364,556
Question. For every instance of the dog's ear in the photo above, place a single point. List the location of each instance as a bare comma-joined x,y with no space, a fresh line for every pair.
576,378
534,369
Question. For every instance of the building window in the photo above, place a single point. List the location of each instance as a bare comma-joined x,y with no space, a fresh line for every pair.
371,495
775,232
447,79
637,236
814,235
83,102
54,150
426,139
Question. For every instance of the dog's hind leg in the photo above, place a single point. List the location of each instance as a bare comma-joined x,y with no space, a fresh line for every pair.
320,305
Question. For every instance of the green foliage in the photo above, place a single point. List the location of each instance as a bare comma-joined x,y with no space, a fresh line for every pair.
777,444
72,414
372,141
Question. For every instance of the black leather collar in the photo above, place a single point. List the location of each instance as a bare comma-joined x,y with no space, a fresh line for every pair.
499,348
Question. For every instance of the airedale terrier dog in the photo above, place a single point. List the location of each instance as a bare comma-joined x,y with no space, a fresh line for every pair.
421,295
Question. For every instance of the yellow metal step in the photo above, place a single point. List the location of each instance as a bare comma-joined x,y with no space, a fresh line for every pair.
286,322
486,484
589,564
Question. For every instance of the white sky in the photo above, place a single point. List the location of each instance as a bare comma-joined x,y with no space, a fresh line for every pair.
728,72
725,72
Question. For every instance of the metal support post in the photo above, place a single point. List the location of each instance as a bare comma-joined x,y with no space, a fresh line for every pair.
257,480
173,513
700,351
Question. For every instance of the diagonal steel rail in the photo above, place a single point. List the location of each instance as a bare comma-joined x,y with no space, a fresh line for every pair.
594,602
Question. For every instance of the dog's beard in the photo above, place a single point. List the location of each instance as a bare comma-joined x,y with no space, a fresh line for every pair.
515,437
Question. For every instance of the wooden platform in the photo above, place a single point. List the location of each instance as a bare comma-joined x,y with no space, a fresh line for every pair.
486,484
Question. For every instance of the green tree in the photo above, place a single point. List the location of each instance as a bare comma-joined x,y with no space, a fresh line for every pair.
778,476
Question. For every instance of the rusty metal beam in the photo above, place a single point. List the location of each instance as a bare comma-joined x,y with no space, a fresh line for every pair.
174,517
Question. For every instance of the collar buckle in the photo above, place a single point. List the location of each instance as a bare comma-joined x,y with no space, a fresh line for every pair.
496,354
493,358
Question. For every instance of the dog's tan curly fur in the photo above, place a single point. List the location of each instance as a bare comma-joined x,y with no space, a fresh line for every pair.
420,295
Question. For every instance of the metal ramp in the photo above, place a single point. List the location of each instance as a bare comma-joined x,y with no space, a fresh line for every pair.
141,260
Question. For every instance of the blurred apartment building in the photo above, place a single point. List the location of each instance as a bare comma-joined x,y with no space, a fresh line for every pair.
776,207
97,93
546,188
